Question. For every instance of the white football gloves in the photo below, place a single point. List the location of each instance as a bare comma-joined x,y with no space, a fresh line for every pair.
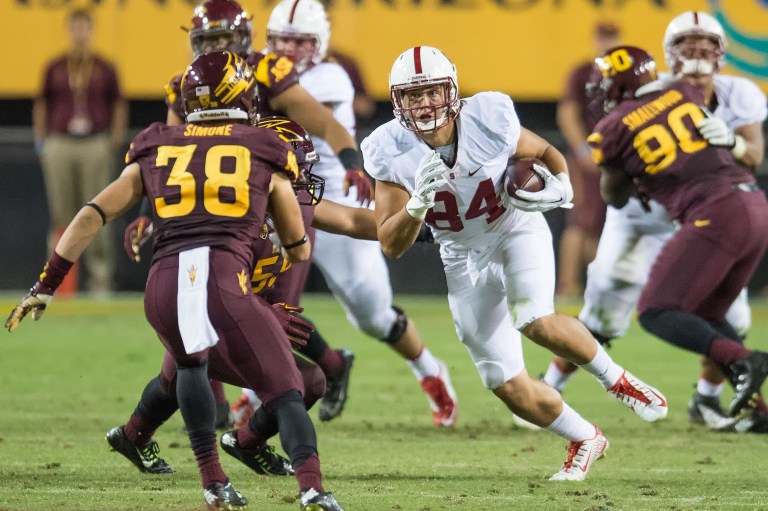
429,177
557,192
717,133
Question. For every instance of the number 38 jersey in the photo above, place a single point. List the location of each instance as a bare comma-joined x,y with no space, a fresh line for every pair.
468,211
209,185
654,140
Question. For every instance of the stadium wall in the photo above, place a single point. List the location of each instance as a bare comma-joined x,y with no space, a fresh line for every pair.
523,47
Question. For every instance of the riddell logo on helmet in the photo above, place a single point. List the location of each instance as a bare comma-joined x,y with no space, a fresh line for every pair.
213,115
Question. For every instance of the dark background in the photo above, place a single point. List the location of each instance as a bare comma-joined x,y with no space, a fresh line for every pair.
24,213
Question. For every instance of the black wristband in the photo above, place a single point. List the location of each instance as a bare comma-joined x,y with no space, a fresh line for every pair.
297,244
99,211
350,158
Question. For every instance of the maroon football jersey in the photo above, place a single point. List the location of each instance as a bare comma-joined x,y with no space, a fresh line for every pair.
208,185
654,140
274,75
274,278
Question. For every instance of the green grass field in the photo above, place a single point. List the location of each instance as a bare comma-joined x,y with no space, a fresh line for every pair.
64,381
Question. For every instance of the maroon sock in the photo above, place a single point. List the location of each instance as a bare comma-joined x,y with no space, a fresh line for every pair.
207,459
308,474
137,432
331,362
218,391
727,351
248,439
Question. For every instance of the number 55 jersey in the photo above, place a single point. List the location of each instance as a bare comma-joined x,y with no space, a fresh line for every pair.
209,185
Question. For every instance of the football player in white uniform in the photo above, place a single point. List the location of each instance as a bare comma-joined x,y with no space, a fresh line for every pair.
694,49
355,270
442,161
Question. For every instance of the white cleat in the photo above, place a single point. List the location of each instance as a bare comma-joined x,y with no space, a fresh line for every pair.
647,402
442,398
581,455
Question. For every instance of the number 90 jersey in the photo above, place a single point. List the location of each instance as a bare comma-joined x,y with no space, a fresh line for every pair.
209,185
655,140
468,212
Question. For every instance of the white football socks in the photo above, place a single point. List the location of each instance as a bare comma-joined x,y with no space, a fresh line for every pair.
572,426
424,365
604,368
556,378
708,389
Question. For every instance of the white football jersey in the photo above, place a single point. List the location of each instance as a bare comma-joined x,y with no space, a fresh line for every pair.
739,101
468,212
328,83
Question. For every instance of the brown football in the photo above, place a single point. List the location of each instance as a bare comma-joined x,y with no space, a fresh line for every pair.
521,176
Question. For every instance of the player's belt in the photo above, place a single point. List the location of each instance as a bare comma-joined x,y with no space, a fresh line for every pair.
746,187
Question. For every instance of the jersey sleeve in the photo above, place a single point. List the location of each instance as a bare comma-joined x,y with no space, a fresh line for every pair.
499,122
602,143
747,103
141,143
376,159
277,153
275,74
173,96
330,84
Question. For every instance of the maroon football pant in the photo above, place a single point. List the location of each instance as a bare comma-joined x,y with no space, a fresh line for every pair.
253,351
711,258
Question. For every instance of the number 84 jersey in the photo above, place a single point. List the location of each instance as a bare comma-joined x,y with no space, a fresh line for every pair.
468,212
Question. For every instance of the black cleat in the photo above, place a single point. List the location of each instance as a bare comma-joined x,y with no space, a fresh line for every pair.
336,392
748,375
144,458
224,496
312,500
262,460
705,410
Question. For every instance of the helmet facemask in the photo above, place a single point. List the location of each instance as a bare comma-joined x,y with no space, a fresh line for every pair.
696,54
418,108
306,48
221,39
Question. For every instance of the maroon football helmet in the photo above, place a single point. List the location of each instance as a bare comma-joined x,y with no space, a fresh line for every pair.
219,86
309,187
623,70
221,25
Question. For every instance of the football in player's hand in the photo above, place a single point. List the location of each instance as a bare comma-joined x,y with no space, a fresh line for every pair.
521,176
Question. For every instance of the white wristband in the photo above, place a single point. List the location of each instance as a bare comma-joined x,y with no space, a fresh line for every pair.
416,208
739,148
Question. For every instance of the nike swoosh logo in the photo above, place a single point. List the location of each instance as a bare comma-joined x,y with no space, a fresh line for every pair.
701,223
475,171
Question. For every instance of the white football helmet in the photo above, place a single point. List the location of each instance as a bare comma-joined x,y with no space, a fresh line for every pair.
419,67
693,23
302,19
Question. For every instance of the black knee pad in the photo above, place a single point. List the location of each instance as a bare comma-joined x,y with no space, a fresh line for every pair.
398,328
